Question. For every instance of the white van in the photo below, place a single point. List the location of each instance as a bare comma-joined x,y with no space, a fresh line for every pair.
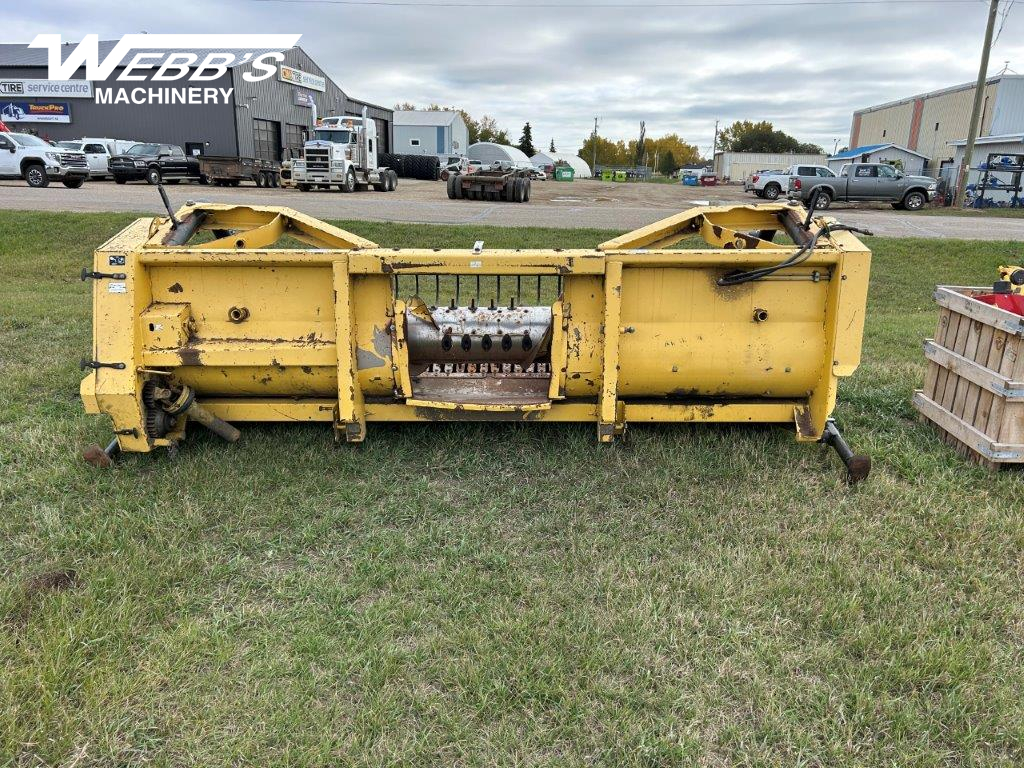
97,152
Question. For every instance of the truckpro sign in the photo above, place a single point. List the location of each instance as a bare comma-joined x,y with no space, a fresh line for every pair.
305,79
46,89
35,112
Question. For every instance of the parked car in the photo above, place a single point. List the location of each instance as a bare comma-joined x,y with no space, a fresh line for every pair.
97,152
771,184
24,156
867,182
154,163
773,179
538,174
453,164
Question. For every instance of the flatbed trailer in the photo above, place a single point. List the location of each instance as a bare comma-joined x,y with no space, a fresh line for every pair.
225,171
511,185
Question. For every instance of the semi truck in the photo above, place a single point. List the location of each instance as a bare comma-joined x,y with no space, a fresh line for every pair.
343,154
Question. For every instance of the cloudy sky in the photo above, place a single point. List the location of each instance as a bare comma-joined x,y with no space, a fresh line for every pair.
559,63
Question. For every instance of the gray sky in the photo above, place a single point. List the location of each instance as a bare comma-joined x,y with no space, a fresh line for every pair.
805,68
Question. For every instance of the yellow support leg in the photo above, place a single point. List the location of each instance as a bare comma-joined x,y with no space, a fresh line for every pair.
608,425
350,424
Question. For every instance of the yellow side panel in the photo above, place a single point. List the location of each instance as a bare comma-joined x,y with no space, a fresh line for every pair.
686,336
585,297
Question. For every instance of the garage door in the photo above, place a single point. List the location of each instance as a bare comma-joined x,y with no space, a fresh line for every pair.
267,139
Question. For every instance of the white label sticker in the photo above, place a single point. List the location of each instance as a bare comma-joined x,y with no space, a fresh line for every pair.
117,288
475,264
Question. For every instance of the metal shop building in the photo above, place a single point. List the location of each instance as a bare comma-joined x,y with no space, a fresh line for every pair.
910,161
430,132
266,119
929,123
736,166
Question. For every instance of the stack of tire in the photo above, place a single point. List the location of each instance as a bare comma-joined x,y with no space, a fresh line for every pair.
516,190
425,167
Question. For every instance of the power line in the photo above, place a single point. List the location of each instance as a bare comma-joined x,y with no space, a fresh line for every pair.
613,5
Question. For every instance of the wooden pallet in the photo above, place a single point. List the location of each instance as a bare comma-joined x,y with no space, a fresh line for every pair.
974,389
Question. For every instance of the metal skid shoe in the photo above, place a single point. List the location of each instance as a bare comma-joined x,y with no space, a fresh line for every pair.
102,457
858,466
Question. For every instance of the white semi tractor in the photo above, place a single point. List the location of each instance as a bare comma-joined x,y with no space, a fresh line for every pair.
343,154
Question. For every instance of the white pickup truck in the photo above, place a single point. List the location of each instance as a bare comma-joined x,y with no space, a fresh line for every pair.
772,184
24,156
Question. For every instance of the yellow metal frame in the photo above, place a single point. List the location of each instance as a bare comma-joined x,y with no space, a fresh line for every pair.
626,304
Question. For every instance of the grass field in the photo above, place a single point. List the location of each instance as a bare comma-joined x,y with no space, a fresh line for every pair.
513,595
991,213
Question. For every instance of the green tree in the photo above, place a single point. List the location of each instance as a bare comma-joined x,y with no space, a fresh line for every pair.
487,129
526,141
608,152
746,136
552,147
667,164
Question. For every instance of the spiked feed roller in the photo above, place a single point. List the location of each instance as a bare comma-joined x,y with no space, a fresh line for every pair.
226,313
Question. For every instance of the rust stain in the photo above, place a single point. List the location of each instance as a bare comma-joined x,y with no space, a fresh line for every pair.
803,422
189,356
176,288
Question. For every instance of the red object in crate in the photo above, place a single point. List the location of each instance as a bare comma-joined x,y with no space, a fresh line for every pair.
1011,302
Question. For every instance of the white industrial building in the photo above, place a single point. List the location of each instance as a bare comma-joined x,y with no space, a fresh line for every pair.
488,152
579,166
1004,146
931,122
910,161
425,132
736,166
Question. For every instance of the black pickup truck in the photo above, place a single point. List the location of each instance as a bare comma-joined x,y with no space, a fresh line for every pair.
154,163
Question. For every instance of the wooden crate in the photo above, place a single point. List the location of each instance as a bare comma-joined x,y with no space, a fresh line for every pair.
974,389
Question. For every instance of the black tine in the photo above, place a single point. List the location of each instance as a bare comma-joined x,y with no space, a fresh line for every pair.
458,289
417,278
437,290
538,289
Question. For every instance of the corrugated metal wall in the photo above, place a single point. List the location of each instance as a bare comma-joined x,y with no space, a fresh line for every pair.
169,124
1007,116
738,165
274,100
426,135
944,117
884,125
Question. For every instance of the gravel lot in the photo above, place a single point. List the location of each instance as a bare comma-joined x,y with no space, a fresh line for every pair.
598,204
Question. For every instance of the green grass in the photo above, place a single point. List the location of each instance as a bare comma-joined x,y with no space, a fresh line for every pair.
483,595
993,213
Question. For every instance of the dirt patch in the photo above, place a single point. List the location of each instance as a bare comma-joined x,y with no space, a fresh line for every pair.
35,588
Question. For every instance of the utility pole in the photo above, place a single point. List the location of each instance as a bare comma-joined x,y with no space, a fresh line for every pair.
979,92
714,143
593,161
835,146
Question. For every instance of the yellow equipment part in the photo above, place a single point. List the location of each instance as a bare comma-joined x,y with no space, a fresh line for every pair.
205,310
1014,276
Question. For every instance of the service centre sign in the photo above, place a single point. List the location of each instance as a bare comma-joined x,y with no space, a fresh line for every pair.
305,79
64,89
